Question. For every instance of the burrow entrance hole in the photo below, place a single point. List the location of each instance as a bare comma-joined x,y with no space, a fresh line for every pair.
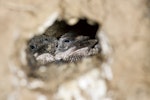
36,45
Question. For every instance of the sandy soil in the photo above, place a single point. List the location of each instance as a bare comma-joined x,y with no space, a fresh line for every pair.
125,22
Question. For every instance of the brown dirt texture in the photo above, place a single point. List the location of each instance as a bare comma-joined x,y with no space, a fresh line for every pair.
127,26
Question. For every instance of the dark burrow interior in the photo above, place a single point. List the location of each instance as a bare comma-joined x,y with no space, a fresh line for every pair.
59,28
82,27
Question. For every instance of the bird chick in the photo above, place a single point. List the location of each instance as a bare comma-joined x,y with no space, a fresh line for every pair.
72,48
69,40
42,49
41,44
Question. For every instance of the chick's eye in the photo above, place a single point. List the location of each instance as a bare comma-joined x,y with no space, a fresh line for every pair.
66,41
32,47
46,39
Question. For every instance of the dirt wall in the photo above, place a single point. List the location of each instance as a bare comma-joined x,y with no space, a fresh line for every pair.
126,24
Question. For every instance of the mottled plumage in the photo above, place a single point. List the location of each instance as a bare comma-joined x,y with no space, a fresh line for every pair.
42,49
72,47
41,44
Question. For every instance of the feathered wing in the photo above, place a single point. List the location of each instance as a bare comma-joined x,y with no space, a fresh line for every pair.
45,58
79,50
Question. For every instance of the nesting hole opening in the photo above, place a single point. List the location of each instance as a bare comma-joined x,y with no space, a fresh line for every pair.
39,44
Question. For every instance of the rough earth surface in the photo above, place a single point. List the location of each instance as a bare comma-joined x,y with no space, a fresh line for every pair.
125,22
